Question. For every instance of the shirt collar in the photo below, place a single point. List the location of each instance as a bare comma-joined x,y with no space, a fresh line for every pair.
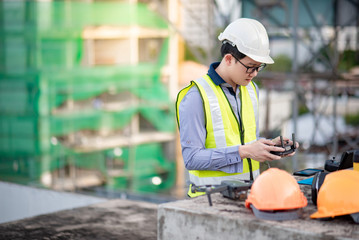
214,75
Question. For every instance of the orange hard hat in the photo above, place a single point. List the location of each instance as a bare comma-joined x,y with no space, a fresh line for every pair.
275,190
339,195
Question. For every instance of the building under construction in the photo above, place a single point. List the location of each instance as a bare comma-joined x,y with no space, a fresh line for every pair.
85,95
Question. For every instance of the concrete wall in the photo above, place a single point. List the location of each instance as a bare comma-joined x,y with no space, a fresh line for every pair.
228,219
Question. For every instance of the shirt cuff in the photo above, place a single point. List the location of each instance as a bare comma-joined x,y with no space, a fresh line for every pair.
232,162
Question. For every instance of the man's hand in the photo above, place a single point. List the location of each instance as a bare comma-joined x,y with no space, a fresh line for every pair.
286,141
260,150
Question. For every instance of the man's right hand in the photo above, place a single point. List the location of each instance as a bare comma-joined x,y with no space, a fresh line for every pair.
260,150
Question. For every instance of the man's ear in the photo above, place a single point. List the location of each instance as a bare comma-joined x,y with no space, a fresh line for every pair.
228,59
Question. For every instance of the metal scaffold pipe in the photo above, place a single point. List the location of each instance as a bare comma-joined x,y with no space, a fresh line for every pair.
295,74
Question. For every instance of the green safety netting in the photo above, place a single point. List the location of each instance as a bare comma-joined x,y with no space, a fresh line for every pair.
42,70
41,93
139,165
52,16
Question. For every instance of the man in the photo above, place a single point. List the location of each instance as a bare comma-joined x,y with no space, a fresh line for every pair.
217,115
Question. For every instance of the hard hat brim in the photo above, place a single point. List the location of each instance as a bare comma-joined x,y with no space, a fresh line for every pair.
319,215
284,215
266,60
328,215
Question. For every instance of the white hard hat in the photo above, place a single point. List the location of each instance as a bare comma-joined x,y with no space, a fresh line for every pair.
250,37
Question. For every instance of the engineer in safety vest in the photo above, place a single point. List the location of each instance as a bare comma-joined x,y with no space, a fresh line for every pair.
217,114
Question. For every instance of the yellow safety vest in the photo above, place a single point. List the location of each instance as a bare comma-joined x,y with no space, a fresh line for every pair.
223,128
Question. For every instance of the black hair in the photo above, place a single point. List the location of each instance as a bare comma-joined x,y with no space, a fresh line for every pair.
227,48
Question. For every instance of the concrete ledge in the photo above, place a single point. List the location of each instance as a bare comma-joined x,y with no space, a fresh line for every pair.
228,219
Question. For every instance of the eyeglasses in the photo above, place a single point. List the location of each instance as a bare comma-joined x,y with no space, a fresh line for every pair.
251,70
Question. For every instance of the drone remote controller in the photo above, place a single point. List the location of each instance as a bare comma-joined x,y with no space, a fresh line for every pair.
288,148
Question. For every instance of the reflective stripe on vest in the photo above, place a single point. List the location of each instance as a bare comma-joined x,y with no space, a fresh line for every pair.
224,131
217,180
216,137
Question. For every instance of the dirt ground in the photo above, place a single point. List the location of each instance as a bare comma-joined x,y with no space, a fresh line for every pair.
115,219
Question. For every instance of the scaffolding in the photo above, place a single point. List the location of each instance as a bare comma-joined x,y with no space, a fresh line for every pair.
84,98
319,82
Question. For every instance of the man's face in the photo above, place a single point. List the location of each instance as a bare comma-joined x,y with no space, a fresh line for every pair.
239,73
